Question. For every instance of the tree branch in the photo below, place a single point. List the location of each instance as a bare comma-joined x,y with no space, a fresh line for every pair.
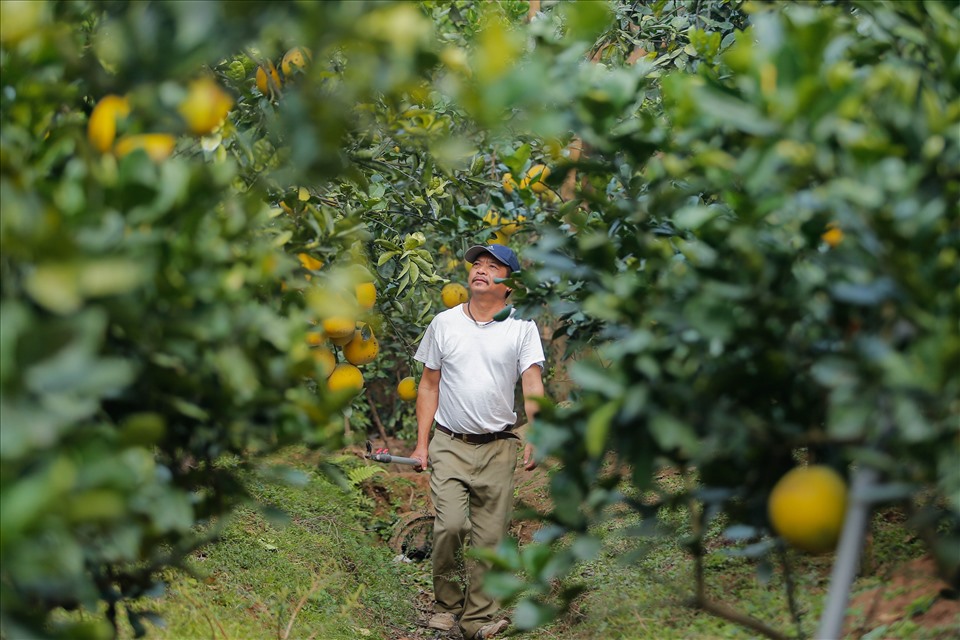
725,612
376,416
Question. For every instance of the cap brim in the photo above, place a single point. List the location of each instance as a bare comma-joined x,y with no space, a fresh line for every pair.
471,254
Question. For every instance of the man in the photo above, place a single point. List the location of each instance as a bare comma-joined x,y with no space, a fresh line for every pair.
471,367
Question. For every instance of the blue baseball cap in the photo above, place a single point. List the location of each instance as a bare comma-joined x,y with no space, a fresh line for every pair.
498,251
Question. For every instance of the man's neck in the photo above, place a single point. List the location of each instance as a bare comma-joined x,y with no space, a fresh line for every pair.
483,308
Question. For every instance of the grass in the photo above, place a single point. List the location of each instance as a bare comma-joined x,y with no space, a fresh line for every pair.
321,574
327,574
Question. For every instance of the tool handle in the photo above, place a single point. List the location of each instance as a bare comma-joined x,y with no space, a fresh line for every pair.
387,458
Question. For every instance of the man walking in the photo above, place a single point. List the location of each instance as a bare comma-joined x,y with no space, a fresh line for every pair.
471,367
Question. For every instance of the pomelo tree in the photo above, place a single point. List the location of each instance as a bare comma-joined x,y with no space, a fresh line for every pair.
763,254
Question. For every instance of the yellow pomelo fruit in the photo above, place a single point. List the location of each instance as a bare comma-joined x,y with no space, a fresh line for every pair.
366,295
21,18
510,227
498,237
807,506
309,262
492,218
536,178
315,338
452,294
268,79
338,327
325,360
509,184
102,126
407,389
205,106
296,58
361,351
158,146
345,377
833,236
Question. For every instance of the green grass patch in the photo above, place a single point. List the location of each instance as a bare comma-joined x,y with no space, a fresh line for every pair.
319,572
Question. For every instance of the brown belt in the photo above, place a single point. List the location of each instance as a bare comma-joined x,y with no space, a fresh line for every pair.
477,438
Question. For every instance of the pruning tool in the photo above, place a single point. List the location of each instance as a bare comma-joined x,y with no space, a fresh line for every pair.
383,455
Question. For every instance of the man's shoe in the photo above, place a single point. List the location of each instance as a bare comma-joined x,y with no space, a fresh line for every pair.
442,621
492,629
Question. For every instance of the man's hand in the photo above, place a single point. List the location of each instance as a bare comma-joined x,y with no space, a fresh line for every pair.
421,454
528,461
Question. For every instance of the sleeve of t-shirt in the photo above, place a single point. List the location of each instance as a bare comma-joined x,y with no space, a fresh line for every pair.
428,352
531,349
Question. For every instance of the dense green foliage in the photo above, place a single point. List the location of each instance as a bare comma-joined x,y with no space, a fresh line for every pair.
757,254
781,274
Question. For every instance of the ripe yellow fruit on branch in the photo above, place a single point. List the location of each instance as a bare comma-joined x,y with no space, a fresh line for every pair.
158,146
295,58
325,360
833,236
205,106
102,126
345,377
492,218
309,262
807,507
268,80
498,238
509,227
407,389
536,178
338,327
366,295
452,294
361,350
509,184
20,19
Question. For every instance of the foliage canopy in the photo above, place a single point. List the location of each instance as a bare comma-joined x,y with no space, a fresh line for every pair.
748,245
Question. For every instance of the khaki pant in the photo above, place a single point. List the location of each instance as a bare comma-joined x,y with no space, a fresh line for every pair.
472,491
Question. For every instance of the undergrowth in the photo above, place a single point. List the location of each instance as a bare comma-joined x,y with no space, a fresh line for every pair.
304,563
324,571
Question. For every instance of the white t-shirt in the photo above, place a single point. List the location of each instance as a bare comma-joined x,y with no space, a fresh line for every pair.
479,368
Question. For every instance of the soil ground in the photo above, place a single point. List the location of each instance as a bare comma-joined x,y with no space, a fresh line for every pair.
912,591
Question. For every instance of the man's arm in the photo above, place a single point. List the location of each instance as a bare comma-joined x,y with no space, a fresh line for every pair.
532,383
428,399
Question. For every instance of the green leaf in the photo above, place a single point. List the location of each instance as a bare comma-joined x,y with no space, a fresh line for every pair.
56,287
530,614
586,548
111,277
674,435
598,428
14,320
726,109
503,314
385,257
503,586
585,21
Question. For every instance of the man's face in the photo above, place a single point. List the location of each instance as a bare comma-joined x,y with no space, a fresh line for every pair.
485,270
